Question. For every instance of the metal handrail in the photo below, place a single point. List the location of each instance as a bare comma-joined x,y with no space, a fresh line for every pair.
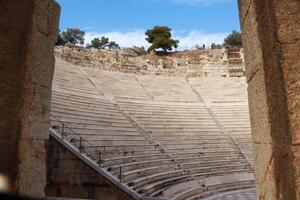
81,140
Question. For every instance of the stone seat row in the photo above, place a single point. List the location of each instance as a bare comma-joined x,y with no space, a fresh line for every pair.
237,124
180,140
198,189
207,146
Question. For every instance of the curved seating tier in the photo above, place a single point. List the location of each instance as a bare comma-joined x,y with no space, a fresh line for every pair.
228,99
209,187
220,89
168,88
96,120
157,128
244,194
117,84
189,135
236,121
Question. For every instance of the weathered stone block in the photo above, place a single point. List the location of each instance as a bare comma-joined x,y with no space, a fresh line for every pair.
27,35
273,95
287,20
252,45
259,112
32,168
72,178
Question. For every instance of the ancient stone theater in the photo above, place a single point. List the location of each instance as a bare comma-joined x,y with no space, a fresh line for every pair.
212,124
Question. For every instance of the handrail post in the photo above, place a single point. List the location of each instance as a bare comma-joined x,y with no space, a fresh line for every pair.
80,144
62,130
100,161
121,174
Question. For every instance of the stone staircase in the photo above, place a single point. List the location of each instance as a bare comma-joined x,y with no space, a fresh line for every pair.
236,66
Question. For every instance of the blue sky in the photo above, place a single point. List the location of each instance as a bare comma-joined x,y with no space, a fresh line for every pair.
124,21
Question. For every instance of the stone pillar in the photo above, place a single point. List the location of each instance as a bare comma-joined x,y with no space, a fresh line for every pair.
271,37
28,31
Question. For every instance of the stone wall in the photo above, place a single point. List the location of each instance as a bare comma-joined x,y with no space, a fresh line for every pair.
28,31
187,63
271,37
69,177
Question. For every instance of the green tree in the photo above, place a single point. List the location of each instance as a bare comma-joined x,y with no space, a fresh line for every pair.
99,43
113,45
234,39
213,46
73,36
102,43
60,40
161,37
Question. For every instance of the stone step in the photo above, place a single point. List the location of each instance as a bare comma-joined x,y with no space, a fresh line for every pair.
208,158
146,180
59,101
137,158
102,125
103,116
141,165
206,170
195,153
80,119
103,129
199,125
118,143
212,164
202,192
134,174
159,186
93,112
198,146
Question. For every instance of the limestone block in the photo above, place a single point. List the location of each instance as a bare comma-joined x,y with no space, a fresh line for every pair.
275,169
252,45
259,112
72,178
36,113
291,74
32,167
288,20
40,71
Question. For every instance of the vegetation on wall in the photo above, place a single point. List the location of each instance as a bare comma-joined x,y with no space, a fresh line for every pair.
72,36
216,46
234,39
103,43
161,38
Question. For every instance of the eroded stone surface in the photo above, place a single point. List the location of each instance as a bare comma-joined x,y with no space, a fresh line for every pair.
28,33
69,177
273,26
219,62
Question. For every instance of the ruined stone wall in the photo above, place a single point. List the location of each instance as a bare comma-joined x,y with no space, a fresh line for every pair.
187,63
69,177
28,31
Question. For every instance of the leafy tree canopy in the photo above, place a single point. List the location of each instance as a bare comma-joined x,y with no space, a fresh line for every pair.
161,37
73,36
60,40
234,39
99,43
113,45
102,43
216,46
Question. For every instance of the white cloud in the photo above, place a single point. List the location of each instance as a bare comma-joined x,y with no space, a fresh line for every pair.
195,37
137,38
127,39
